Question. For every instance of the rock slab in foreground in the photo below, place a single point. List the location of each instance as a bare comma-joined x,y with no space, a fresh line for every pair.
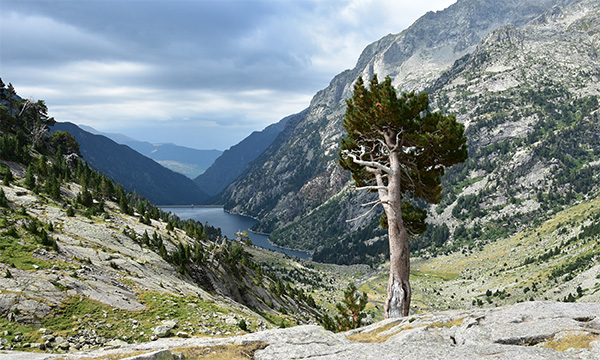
511,332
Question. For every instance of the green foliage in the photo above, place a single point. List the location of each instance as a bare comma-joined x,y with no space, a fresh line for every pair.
17,248
8,176
64,143
467,206
52,187
3,199
352,249
46,240
580,263
30,178
70,211
350,311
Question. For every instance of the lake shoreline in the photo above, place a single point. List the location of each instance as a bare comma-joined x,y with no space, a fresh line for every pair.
229,224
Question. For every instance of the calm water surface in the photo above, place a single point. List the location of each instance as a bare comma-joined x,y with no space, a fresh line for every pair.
230,224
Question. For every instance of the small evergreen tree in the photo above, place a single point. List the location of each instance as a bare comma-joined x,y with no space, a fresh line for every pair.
29,178
145,238
52,187
350,311
8,178
3,199
70,211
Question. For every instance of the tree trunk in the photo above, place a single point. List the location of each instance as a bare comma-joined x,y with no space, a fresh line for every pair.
397,303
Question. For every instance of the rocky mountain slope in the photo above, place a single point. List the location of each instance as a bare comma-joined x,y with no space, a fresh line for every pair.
522,75
234,160
534,330
112,276
100,263
83,265
134,171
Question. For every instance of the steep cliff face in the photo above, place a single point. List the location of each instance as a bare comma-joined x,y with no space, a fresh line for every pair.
529,96
298,173
229,165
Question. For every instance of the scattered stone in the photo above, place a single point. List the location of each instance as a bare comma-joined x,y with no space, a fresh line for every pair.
45,331
170,323
161,331
116,342
39,346
157,355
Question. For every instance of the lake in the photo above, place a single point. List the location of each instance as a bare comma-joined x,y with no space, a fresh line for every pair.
230,224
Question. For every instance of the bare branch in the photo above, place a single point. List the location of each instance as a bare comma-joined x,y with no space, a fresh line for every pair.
372,188
25,105
397,143
373,164
386,148
371,203
368,212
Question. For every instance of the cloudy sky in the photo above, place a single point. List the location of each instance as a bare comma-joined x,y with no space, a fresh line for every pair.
198,73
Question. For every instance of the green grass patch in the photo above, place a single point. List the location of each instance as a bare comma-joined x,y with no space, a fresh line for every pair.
66,317
18,251
277,320
439,275
30,332
110,322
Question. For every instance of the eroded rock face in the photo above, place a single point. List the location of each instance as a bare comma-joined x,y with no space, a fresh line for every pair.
510,332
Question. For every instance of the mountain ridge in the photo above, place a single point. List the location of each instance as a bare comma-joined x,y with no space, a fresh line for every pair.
188,161
234,161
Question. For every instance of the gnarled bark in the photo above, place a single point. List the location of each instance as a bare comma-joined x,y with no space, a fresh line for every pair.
397,303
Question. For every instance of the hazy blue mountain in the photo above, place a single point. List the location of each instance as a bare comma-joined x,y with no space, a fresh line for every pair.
133,170
184,160
234,161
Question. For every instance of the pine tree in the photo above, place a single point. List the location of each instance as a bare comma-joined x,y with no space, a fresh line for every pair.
350,311
3,199
29,178
399,149
8,178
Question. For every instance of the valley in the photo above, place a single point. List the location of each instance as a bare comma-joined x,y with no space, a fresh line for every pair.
94,264
230,224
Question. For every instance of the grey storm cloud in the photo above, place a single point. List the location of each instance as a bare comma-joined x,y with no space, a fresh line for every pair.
218,68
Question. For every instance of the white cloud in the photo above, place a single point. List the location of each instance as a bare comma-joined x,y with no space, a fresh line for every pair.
35,39
203,72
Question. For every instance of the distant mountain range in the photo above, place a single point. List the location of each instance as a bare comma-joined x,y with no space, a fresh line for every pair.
134,171
155,170
234,161
184,160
